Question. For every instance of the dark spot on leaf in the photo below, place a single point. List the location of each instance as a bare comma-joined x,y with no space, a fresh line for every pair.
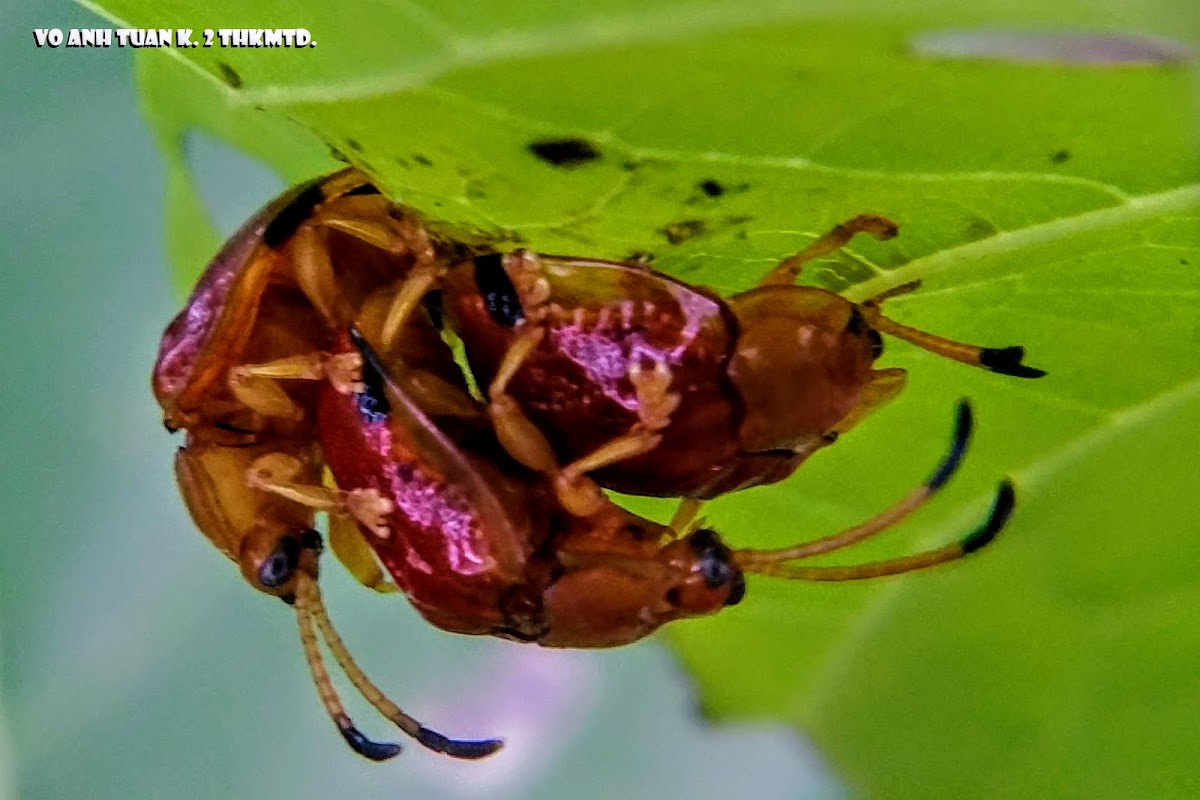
1051,47
679,232
423,160
631,166
1059,156
338,155
892,258
711,188
567,152
979,228
640,257
1184,262
354,145
229,75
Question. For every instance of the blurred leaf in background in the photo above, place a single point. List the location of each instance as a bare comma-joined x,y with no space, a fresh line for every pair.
1042,162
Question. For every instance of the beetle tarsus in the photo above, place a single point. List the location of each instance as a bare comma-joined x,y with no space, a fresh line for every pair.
1007,361
457,748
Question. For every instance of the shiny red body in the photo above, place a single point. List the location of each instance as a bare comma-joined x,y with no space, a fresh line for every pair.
761,376
480,545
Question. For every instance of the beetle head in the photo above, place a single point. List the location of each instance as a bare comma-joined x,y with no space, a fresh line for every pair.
272,560
801,360
710,580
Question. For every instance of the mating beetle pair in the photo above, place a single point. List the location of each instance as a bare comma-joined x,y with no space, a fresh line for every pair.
313,341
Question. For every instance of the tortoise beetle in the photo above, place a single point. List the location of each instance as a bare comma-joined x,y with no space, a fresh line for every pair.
238,370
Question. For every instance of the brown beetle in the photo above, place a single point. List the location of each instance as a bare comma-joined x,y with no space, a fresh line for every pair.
238,369
242,368
656,387
483,545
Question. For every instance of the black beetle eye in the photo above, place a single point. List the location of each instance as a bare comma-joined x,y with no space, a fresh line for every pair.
705,539
716,571
714,562
279,566
876,343
737,591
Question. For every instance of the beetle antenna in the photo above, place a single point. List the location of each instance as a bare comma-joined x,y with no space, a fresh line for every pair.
375,751
1004,360
963,424
978,538
456,748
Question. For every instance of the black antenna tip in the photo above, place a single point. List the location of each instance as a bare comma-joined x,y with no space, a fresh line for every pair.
457,748
964,422
1002,508
1007,361
375,751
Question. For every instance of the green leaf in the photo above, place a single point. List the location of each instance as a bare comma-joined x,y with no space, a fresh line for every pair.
1052,203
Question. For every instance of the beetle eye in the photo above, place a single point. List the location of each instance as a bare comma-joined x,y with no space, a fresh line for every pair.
715,565
876,343
716,571
737,591
281,564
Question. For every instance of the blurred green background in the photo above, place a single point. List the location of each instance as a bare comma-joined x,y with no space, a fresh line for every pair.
134,662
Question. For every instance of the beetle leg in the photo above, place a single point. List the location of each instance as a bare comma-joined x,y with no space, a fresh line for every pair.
788,270
377,224
275,473
352,549
1004,360
314,272
437,396
524,269
654,404
309,604
415,286
516,432
525,442
256,385
628,445
685,517
434,394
